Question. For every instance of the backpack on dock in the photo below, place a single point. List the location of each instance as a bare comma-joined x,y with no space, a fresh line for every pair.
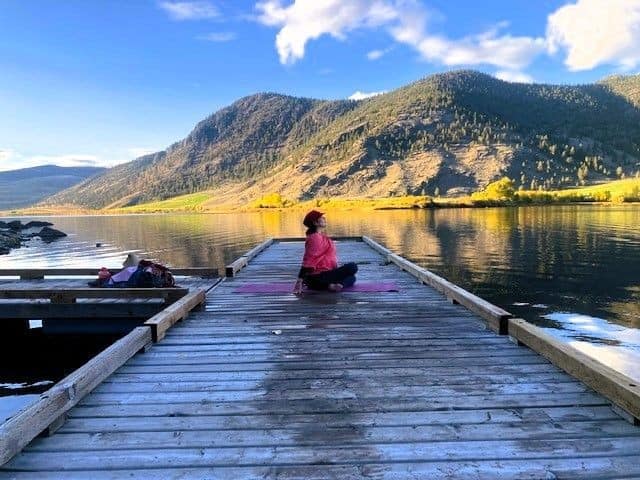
148,274
155,275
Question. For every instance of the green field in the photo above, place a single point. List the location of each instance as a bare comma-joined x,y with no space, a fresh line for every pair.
503,192
184,203
500,192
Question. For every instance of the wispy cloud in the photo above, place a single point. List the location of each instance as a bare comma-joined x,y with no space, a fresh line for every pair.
405,21
358,95
377,54
306,20
512,76
590,32
506,52
189,10
596,32
218,37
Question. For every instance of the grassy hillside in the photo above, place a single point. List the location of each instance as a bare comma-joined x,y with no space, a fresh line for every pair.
446,135
237,143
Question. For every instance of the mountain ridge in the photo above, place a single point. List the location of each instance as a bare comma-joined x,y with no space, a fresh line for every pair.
448,133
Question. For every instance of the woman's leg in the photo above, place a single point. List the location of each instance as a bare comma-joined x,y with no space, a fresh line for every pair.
344,275
316,282
348,281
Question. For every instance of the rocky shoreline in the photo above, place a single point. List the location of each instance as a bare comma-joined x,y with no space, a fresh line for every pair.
13,234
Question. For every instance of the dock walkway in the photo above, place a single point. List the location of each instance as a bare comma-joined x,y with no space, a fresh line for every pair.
398,385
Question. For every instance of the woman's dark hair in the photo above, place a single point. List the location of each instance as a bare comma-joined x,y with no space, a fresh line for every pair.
310,220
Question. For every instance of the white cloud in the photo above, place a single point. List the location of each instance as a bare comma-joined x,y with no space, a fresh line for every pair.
189,10
377,54
596,32
591,32
218,36
306,20
406,22
358,95
512,76
488,48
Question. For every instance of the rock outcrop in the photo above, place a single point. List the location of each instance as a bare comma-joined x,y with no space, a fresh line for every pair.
9,240
12,235
48,234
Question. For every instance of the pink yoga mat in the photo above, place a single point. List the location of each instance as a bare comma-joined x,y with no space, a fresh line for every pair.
288,287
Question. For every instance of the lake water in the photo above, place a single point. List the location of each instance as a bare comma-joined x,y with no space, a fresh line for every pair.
573,269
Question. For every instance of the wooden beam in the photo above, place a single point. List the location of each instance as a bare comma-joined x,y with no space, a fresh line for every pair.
82,311
235,266
243,261
622,390
29,422
377,247
40,273
164,320
65,295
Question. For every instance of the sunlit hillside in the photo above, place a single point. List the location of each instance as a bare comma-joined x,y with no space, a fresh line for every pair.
446,135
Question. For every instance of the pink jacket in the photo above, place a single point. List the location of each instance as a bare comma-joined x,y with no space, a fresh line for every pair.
319,253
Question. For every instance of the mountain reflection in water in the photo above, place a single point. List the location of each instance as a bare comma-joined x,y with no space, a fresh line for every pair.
532,261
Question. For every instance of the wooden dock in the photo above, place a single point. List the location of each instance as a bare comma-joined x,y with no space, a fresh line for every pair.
66,303
409,384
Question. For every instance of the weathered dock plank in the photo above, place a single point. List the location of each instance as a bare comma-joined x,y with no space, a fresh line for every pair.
125,419
594,468
331,451
391,385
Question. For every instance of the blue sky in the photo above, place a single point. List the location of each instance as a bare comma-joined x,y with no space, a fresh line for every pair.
100,82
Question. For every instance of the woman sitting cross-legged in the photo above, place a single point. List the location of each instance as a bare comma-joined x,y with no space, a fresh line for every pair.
320,269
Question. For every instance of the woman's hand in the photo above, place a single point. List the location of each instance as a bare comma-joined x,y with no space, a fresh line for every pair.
297,289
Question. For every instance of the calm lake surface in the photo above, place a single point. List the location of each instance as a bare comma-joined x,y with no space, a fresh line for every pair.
572,269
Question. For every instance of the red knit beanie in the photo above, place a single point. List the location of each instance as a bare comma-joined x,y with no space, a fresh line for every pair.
311,217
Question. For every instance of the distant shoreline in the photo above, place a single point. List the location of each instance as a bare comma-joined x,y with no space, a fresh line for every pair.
500,193
436,205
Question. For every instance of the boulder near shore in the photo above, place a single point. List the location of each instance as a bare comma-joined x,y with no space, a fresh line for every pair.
13,235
